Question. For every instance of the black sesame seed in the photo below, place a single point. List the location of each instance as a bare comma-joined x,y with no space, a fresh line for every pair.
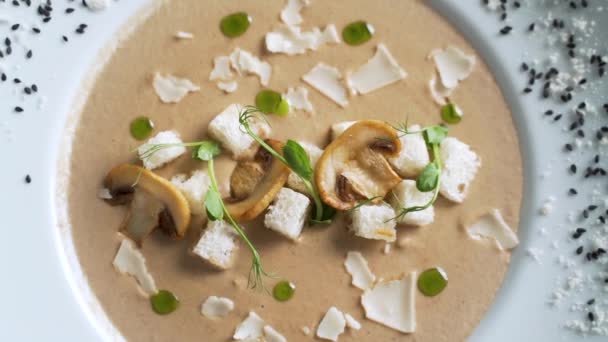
599,135
505,30
7,41
80,30
527,90
557,117
36,30
580,133
601,251
596,159
28,179
503,16
18,109
581,230
27,90
524,67
573,5
572,191
584,3
46,20
601,219
9,50
588,256
579,250
34,88
516,4
69,10
574,126
15,27
582,81
65,39
592,207
29,54
3,77
17,81
549,112
582,105
585,214
573,168
531,27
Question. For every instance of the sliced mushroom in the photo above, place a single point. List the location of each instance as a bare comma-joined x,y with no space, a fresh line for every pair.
354,165
155,202
254,184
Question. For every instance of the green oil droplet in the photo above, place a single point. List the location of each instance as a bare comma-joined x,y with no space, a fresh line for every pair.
164,302
357,33
283,291
432,281
451,114
235,24
141,128
271,102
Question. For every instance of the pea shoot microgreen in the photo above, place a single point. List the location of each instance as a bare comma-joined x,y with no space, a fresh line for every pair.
429,180
214,204
295,158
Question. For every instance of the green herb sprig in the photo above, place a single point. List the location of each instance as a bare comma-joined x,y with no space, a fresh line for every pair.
214,204
430,177
295,158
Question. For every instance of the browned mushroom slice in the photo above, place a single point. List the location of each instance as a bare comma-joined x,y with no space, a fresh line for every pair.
257,189
354,165
154,202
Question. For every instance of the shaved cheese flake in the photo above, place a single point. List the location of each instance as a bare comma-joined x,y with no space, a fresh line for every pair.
351,322
332,325
453,65
298,99
245,63
357,267
290,40
392,303
228,86
271,335
328,81
221,69
290,14
171,89
104,193
492,225
306,330
183,35
251,328
381,70
217,307
129,260
439,92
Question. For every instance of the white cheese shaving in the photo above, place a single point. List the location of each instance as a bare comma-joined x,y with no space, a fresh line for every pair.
351,322
228,86
332,325
245,63
271,335
290,40
290,14
381,70
357,267
97,5
183,35
392,303
251,328
129,260
453,65
439,93
339,127
298,99
221,69
171,89
165,155
216,307
491,225
328,81
104,193
306,330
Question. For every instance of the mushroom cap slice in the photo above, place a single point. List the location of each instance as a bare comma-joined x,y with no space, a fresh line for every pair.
354,165
155,202
260,190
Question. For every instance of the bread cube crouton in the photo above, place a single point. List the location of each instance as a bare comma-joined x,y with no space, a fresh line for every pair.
407,195
339,128
288,213
414,155
163,156
460,165
218,245
225,128
374,222
294,181
194,189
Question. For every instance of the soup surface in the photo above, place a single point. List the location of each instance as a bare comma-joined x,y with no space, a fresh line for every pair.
123,91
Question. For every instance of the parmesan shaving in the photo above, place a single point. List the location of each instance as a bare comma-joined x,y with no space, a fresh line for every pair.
439,93
332,325
171,89
221,69
453,65
228,86
298,99
129,260
357,267
381,70
328,81
290,14
245,63
250,329
290,40
183,35
493,226
217,307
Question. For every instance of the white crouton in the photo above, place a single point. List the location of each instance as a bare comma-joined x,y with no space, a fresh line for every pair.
460,165
339,128
374,222
194,189
405,195
218,245
163,156
288,213
414,155
314,153
225,128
